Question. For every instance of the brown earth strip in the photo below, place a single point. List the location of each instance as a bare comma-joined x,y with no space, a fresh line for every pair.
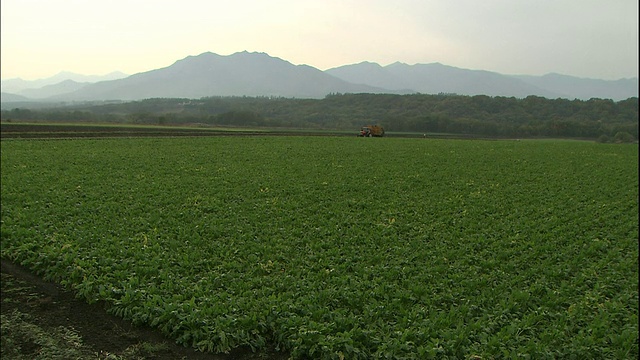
50,307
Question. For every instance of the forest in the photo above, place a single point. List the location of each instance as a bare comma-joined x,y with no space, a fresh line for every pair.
480,115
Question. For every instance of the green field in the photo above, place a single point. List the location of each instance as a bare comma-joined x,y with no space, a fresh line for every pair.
339,247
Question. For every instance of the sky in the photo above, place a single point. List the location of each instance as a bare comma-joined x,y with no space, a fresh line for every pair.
585,38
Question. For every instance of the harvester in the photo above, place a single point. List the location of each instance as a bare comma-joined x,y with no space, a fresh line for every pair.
371,130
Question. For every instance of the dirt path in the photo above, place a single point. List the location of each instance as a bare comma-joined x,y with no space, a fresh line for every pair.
38,315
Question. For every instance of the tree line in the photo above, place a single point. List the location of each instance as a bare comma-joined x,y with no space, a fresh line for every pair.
481,115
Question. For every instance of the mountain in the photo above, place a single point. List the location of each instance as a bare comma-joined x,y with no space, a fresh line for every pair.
372,74
581,88
17,85
44,92
8,97
208,74
437,78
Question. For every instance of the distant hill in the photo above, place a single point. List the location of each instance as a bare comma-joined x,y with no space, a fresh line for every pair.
208,74
8,97
584,89
17,85
44,92
437,78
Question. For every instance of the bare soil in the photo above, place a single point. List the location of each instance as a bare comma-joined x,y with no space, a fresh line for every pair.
73,131
104,336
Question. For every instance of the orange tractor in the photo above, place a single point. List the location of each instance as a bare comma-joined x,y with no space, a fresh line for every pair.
371,130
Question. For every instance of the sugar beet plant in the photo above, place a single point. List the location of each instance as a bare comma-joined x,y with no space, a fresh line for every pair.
336,248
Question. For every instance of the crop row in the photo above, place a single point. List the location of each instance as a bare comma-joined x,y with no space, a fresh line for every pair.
340,247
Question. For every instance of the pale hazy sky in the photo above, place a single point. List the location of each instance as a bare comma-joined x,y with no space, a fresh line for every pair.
585,38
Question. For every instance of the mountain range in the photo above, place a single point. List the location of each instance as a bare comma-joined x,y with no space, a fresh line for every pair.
18,85
258,74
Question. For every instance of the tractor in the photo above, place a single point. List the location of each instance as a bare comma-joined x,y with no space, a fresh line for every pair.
371,131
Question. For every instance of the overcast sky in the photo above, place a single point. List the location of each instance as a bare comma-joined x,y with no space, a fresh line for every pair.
585,38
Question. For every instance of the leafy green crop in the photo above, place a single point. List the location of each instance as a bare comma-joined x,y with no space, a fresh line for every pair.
336,248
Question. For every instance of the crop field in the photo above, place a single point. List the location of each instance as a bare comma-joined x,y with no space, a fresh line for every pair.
340,247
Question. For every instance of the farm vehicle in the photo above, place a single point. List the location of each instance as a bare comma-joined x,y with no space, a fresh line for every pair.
371,130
